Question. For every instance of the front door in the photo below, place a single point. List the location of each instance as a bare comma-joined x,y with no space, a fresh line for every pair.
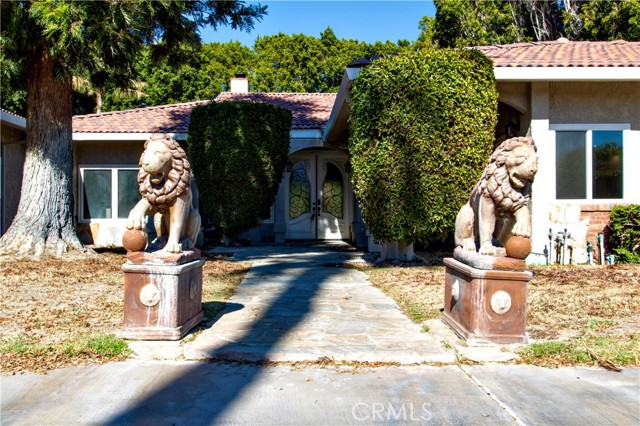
317,199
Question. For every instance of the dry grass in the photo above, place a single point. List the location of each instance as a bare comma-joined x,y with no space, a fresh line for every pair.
593,312
58,312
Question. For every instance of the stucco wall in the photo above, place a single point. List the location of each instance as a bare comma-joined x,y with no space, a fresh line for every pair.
590,102
560,103
108,152
12,166
13,151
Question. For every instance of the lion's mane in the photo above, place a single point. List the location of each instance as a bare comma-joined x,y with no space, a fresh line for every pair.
495,182
175,183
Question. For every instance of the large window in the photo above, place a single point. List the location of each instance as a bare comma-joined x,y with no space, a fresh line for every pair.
589,164
107,192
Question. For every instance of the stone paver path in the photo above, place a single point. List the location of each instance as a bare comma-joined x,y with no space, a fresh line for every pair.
295,304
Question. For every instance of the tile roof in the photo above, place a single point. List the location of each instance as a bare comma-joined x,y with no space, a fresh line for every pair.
565,53
158,119
310,110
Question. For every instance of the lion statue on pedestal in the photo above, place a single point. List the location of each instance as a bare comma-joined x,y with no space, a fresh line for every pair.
164,179
503,192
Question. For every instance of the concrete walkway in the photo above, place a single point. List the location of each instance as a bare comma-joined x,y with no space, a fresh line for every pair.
296,305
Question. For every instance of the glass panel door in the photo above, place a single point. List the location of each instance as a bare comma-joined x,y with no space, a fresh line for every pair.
333,192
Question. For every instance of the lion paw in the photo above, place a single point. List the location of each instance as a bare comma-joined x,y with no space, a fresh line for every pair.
469,246
488,250
173,248
521,231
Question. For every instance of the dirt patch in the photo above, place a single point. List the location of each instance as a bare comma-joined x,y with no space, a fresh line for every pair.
593,311
52,307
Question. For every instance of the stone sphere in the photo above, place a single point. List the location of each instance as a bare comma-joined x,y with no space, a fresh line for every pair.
518,247
134,240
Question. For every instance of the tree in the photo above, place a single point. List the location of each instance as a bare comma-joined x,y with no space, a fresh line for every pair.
611,20
484,22
421,130
302,63
238,152
198,74
55,40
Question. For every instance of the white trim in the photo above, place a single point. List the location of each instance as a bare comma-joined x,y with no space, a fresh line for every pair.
306,134
84,136
352,72
586,126
13,120
567,73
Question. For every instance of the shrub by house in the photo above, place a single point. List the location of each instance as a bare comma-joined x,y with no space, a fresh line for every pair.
421,131
238,151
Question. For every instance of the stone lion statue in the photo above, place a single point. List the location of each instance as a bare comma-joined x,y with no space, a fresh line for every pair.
165,178
503,192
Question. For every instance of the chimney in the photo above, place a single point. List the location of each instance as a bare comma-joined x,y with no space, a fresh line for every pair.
239,84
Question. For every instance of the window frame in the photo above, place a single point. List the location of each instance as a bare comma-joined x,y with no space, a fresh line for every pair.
114,190
589,128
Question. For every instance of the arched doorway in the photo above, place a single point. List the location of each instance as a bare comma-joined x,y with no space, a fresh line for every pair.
318,196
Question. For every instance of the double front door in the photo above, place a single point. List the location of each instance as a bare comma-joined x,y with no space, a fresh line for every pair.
318,198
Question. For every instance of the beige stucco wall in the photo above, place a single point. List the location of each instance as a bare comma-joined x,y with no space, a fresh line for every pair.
591,102
108,152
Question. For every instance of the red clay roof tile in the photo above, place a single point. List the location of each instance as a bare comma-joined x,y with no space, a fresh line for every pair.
564,53
158,119
310,111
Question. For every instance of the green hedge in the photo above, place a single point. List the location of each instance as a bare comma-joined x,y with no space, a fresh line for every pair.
421,132
623,233
238,151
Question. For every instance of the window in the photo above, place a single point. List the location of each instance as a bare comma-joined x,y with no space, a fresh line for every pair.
589,164
107,193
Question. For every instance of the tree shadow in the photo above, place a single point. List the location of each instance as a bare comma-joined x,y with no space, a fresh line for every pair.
212,389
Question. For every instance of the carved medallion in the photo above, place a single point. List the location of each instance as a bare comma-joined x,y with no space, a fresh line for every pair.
149,295
501,302
193,289
455,290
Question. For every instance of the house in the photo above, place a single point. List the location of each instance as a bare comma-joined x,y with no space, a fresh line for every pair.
107,148
12,148
580,102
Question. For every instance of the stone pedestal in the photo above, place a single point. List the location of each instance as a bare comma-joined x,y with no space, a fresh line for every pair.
162,297
485,305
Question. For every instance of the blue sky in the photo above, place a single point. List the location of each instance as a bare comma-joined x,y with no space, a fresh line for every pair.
368,21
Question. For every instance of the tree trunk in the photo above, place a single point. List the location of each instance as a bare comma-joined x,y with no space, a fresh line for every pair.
44,220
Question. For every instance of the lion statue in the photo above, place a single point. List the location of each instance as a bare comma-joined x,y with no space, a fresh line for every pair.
164,180
503,192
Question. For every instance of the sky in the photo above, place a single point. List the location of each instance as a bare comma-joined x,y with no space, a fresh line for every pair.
367,21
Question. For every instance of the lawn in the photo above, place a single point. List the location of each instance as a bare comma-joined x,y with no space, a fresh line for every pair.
57,313
576,315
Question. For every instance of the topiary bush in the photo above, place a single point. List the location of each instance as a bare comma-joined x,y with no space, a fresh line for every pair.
421,132
623,233
238,152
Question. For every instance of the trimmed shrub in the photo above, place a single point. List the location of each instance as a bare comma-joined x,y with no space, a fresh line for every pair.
623,233
238,151
421,132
